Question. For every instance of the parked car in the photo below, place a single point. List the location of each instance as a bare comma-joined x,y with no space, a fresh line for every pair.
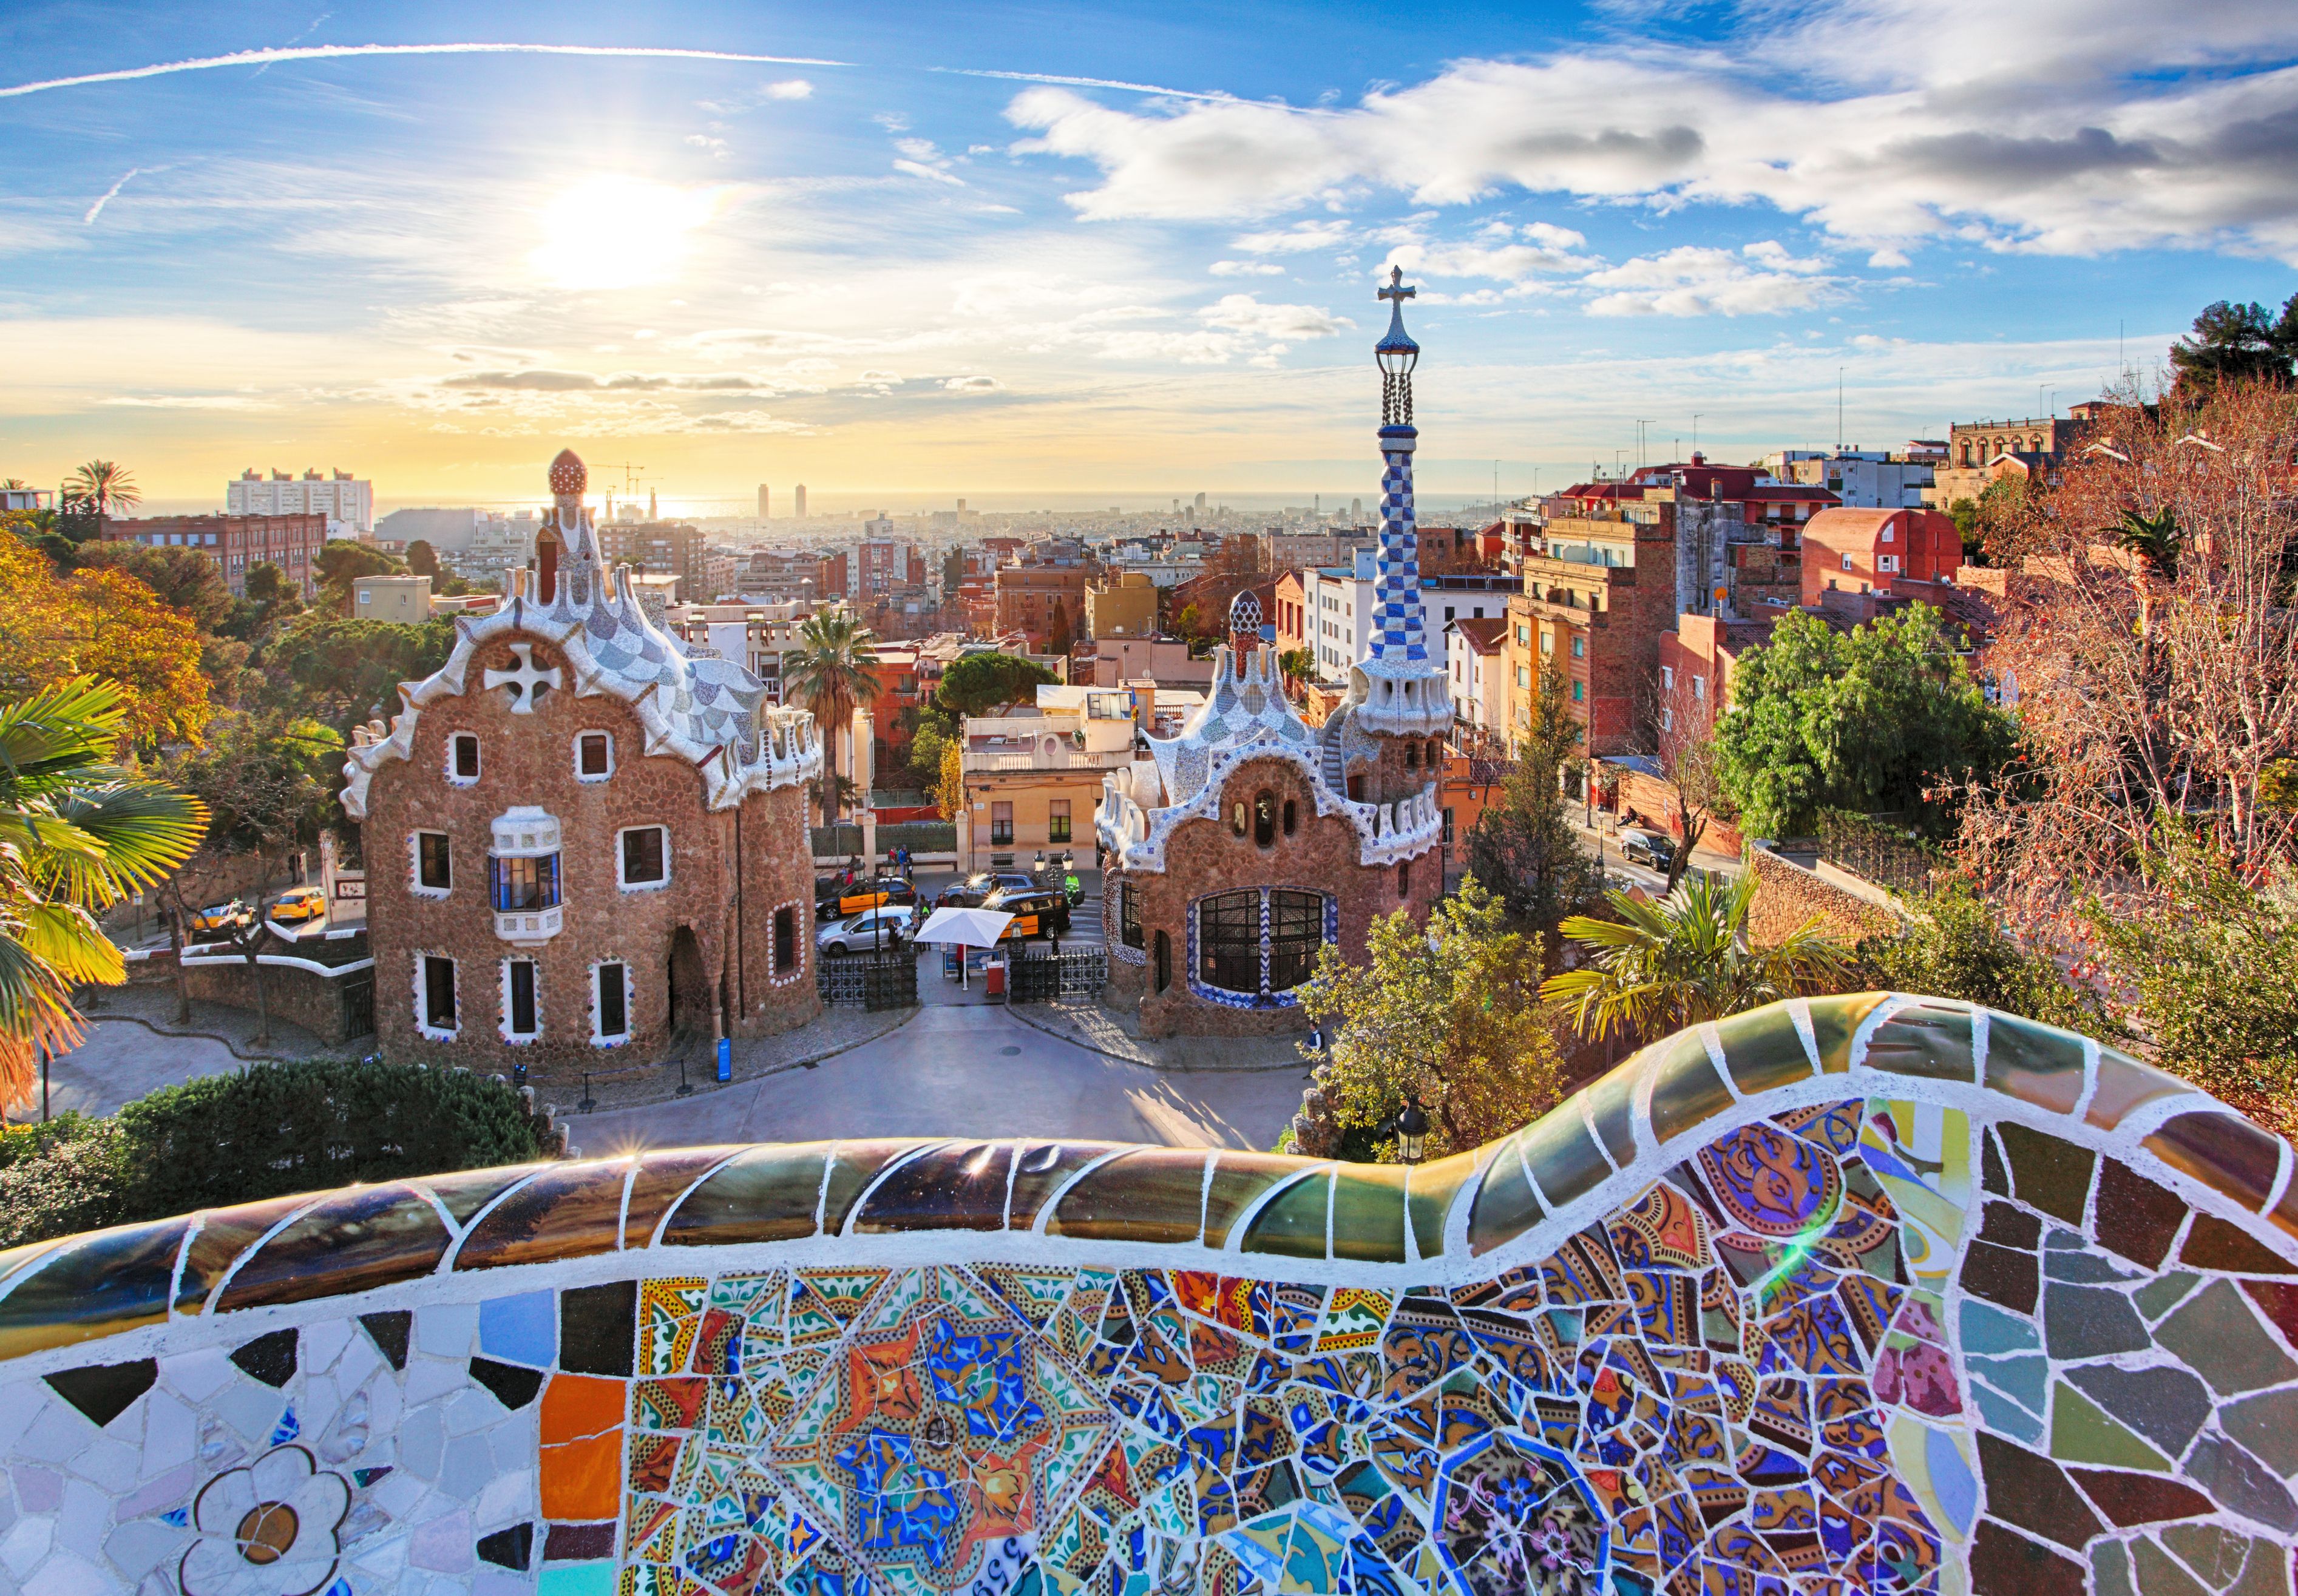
1036,912
890,926
969,893
1647,847
223,919
304,904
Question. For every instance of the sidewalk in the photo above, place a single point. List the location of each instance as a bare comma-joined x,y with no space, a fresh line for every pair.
633,1083
1116,1035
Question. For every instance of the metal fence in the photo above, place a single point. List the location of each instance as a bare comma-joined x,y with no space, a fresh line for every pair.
836,843
874,981
358,992
919,836
1879,847
1059,975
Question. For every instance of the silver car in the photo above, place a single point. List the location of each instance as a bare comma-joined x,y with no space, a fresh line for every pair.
887,927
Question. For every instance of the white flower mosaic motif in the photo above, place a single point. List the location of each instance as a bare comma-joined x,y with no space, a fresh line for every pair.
268,1529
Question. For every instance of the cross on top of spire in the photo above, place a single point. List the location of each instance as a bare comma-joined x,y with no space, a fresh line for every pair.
1396,290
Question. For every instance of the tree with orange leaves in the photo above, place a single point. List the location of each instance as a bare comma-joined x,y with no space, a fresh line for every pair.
107,623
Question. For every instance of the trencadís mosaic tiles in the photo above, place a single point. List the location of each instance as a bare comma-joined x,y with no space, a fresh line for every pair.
1866,1295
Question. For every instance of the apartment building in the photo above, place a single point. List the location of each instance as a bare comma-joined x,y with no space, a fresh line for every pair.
1033,774
338,495
237,543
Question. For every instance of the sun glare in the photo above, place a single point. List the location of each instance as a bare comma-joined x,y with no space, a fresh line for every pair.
616,231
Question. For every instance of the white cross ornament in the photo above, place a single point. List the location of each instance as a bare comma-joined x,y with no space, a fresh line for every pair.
526,684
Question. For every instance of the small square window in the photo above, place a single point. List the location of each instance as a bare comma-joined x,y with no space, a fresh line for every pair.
594,756
1579,647
463,756
434,862
1579,692
1847,562
646,856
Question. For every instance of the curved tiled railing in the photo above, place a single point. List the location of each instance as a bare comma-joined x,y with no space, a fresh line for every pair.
1872,1289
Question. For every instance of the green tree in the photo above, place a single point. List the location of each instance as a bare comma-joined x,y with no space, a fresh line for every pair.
953,572
1523,846
1059,641
1965,512
342,671
2232,342
343,562
829,673
78,833
1446,1014
422,559
105,486
1299,663
980,682
1684,960
1871,721
183,578
926,747
1953,946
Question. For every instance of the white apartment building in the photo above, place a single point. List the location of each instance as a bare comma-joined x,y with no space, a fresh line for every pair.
1340,603
339,496
1863,479
1475,651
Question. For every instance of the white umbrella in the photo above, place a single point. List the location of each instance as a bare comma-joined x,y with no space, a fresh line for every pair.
969,928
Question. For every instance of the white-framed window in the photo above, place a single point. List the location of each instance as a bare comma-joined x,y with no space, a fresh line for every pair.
1887,535
1887,562
1847,562
438,1007
612,994
1666,676
1699,690
787,929
522,1001
1667,717
594,756
431,860
642,858
463,758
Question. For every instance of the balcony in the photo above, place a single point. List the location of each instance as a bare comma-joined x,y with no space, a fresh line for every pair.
1016,761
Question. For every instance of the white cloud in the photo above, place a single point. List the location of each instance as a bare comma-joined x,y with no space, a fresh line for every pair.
1297,239
1246,268
1508,262
973,384
2059,130
790,88
1244,313
1695,281
922,158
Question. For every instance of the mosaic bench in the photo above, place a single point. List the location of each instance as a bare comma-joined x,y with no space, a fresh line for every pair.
1864,1294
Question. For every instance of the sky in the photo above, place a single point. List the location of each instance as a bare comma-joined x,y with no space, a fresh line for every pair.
1027,253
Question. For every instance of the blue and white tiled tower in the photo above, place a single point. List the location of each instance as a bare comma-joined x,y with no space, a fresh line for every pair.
1398,687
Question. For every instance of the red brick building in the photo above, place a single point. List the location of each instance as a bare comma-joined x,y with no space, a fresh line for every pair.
237,543
584,846
1027,594
1862,550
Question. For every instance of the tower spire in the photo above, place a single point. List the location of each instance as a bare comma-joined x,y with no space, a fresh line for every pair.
1399,634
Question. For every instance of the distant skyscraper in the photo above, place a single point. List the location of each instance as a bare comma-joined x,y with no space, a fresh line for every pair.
1356,509
650,511
764,495
1201,504
801,502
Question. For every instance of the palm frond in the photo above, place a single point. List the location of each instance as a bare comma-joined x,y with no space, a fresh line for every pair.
145,829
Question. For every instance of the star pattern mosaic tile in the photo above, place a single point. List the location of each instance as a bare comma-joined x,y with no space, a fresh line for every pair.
1868,1294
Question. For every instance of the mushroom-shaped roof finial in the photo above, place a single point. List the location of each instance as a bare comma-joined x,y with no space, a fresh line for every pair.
568,475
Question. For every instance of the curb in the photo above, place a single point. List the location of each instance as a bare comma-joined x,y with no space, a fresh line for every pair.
229,1046
1019,1014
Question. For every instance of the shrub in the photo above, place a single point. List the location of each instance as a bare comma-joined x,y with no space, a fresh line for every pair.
268,1131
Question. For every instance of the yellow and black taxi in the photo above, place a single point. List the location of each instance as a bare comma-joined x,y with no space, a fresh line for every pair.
221,920
304,904
1036,912
834,902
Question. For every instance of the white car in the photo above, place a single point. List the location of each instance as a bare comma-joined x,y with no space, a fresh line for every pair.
887,927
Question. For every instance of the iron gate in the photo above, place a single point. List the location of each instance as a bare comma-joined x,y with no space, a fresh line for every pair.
1064,975
359,1004
874,981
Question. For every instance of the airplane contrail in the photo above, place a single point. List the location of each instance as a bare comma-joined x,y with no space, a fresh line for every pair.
339,52
1137,89
110,195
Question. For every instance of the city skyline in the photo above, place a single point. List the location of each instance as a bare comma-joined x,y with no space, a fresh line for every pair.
1051,255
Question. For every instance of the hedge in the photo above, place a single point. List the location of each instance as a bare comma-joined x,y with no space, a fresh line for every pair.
268,1131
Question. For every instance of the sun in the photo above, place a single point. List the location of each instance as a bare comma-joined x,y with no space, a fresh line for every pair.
613,230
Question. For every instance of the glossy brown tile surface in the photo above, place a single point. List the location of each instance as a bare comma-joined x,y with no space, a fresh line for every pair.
564,1211
1368,1213
1238,1180
1153,1194
1926,1039
958,1188
767,1194
1041,1169
355,1240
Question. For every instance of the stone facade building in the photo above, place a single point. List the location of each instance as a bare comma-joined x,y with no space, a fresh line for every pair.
583,843
1236,851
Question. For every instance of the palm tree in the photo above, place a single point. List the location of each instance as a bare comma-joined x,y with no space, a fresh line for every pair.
829,672
104,485
78,833
1686,959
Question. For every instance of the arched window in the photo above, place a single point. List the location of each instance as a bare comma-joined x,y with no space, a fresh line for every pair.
1412,756
1229,941
1292,817
1436,752
1264,817
1236,818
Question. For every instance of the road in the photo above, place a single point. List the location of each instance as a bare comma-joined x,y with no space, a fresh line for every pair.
966,1070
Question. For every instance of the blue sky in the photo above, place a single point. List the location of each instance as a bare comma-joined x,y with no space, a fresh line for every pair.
911,262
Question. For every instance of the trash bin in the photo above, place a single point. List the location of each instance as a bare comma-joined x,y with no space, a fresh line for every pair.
996,974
